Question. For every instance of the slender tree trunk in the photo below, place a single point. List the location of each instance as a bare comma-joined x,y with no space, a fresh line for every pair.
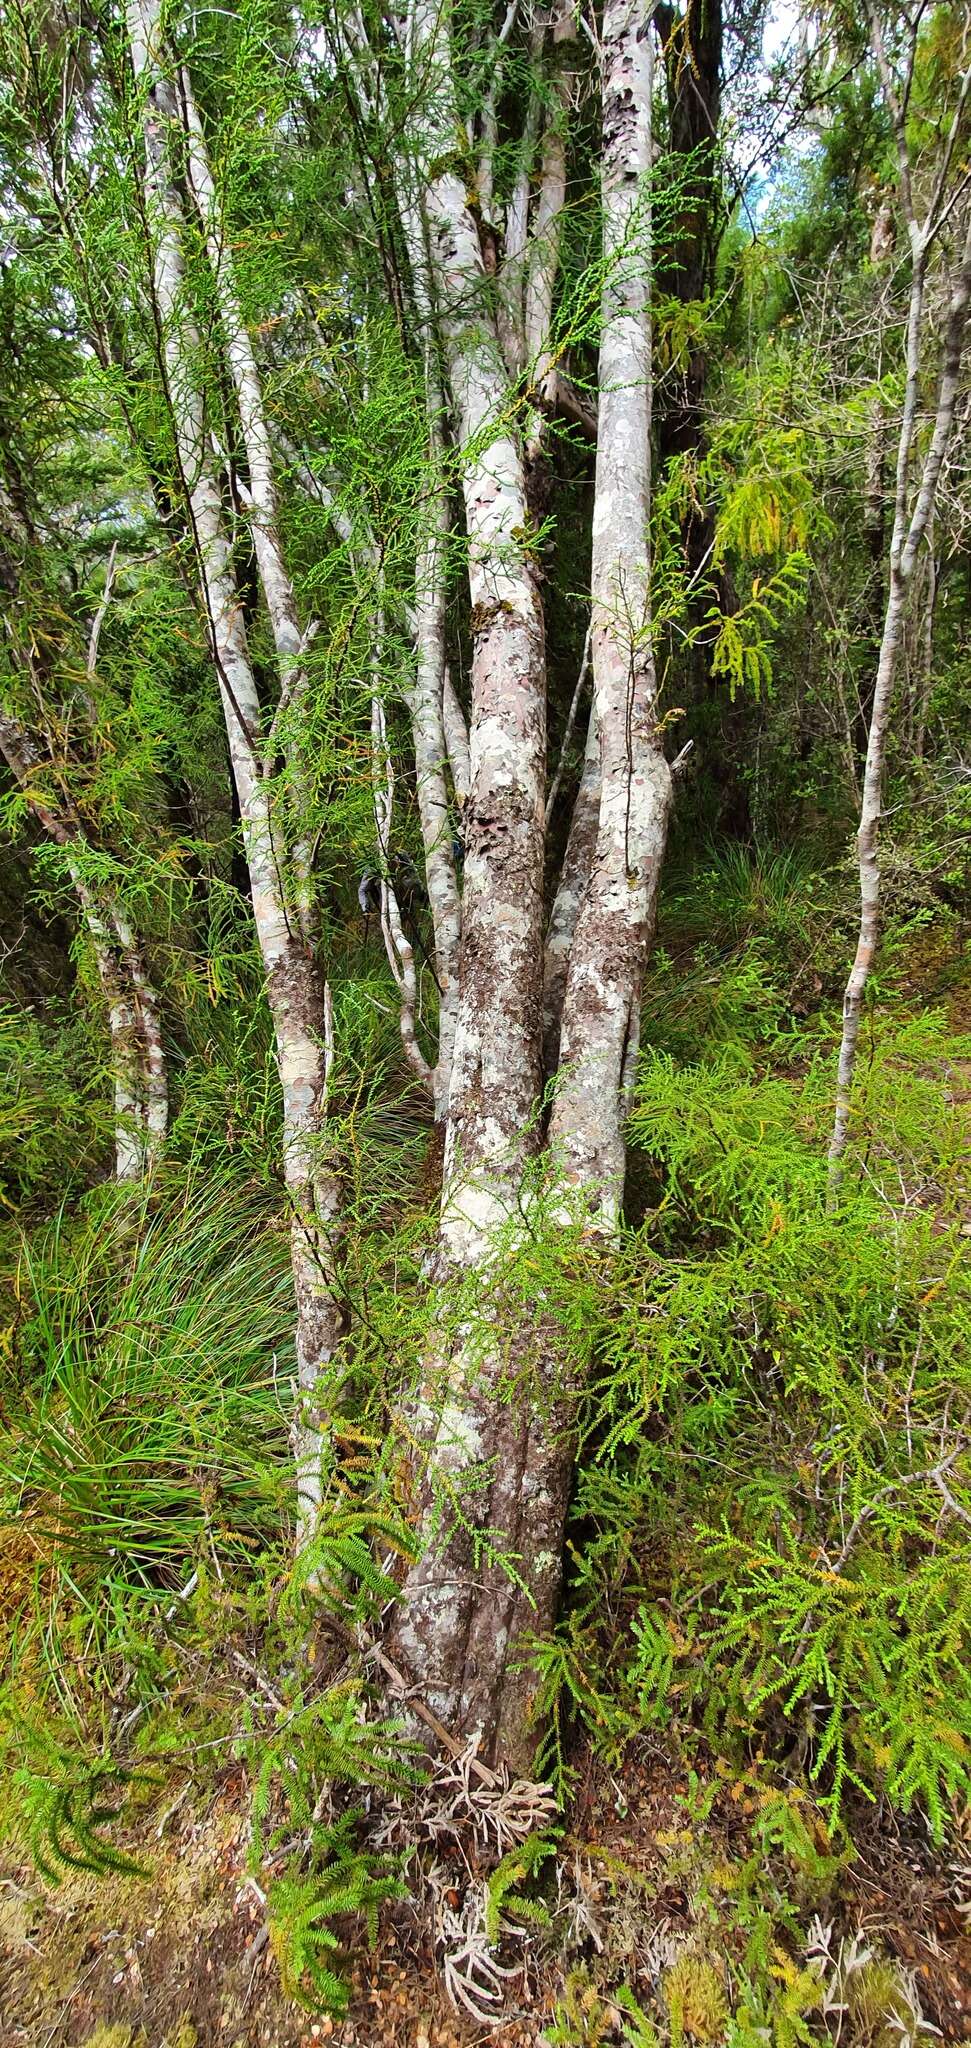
925,662
456,740
574,876
692,51
400,952
874,528
299,1004
615,922
909,531
137,1060
547,235
281,604
438,727
138,1067
431,753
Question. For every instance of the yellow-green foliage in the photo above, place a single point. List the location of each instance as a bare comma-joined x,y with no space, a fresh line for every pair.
774,1484
881,2009
694,1994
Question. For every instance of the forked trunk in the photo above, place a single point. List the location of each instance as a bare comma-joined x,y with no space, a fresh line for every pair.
496,1419
459,1605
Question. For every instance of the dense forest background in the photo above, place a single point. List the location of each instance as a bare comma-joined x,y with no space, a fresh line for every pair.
485,1456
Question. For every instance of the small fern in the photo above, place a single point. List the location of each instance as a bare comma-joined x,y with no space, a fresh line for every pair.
302,1909
66,1819
504,1900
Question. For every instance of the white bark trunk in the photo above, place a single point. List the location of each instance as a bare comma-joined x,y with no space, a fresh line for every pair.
281,603
298,1004
456,740
434,706
615,921
495,1070
428,730
909,531
547,234
135,1145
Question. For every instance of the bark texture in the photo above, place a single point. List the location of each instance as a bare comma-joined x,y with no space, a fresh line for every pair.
547,233
459,1608
615,919
574,876
438,728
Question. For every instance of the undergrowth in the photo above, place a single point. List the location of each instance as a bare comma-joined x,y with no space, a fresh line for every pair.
768,1545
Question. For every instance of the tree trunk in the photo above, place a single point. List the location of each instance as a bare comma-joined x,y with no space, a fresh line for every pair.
278,592
615,921
453,1633
925,661
138,1068
437,724
574,876
547,235
909,532
298,1002
692,45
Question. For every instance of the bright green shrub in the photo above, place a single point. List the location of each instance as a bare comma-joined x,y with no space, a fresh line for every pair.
774,1492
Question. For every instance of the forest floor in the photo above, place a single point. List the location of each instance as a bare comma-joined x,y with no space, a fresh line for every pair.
180,1959
692,1899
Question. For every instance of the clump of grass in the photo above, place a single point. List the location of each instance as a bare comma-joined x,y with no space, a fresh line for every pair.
145,1432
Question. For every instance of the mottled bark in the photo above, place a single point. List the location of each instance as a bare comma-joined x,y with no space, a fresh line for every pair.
456,739
496,1053
615,921
298,1002
454,1631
